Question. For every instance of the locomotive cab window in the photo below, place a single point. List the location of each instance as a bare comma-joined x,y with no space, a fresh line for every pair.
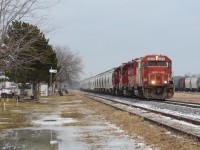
161,63
168,64
157,63
151,63
137,65
144,64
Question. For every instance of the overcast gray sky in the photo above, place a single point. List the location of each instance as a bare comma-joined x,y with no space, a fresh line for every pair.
107,33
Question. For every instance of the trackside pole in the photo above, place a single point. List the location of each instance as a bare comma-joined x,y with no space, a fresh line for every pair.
17,100
4,105
51,89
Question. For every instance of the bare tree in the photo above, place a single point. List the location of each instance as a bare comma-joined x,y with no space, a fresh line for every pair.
11,10
70,65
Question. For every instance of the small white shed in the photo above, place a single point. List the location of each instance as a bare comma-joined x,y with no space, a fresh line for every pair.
44,89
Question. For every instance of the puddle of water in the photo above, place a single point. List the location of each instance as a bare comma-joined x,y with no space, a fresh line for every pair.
100,135
53,120
27,139
72,138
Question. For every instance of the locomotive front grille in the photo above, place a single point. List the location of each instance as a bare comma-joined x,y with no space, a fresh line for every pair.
159,91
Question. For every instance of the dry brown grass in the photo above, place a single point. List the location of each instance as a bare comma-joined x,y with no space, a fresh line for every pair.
72,113
187,97
137,126
19,116
13,119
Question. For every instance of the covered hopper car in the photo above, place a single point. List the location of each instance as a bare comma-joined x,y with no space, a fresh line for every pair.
192,84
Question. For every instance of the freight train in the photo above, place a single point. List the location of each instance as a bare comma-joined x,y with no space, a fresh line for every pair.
148,77
186,84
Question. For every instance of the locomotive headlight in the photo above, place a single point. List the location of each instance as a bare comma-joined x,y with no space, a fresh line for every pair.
153,82
165,82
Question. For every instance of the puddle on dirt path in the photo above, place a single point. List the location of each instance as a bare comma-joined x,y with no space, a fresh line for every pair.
99,135
53,120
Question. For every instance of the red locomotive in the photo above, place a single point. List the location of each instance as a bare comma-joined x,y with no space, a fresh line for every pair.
147,77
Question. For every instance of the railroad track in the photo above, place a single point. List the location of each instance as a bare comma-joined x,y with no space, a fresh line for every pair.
187,104
175,122
178,103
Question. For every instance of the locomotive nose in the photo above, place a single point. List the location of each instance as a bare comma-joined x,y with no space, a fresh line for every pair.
158,78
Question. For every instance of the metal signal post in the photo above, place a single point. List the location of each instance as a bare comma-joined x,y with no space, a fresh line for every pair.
51,89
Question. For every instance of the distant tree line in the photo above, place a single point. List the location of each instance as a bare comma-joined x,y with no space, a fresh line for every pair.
192,75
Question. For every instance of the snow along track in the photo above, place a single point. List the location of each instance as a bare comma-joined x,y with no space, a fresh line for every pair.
170,119
194,105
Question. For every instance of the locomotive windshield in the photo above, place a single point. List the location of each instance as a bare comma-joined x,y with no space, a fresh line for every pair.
159,63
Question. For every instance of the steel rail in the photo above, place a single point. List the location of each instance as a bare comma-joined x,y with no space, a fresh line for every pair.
173,102
187,104
116,104
196,122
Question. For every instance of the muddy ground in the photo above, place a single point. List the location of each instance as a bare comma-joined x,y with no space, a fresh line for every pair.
75,122
61,122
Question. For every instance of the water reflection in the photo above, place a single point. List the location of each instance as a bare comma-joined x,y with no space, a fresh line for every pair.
43,137
39,139
27,140
98,135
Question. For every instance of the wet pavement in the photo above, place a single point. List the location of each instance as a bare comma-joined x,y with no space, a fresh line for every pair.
52,132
